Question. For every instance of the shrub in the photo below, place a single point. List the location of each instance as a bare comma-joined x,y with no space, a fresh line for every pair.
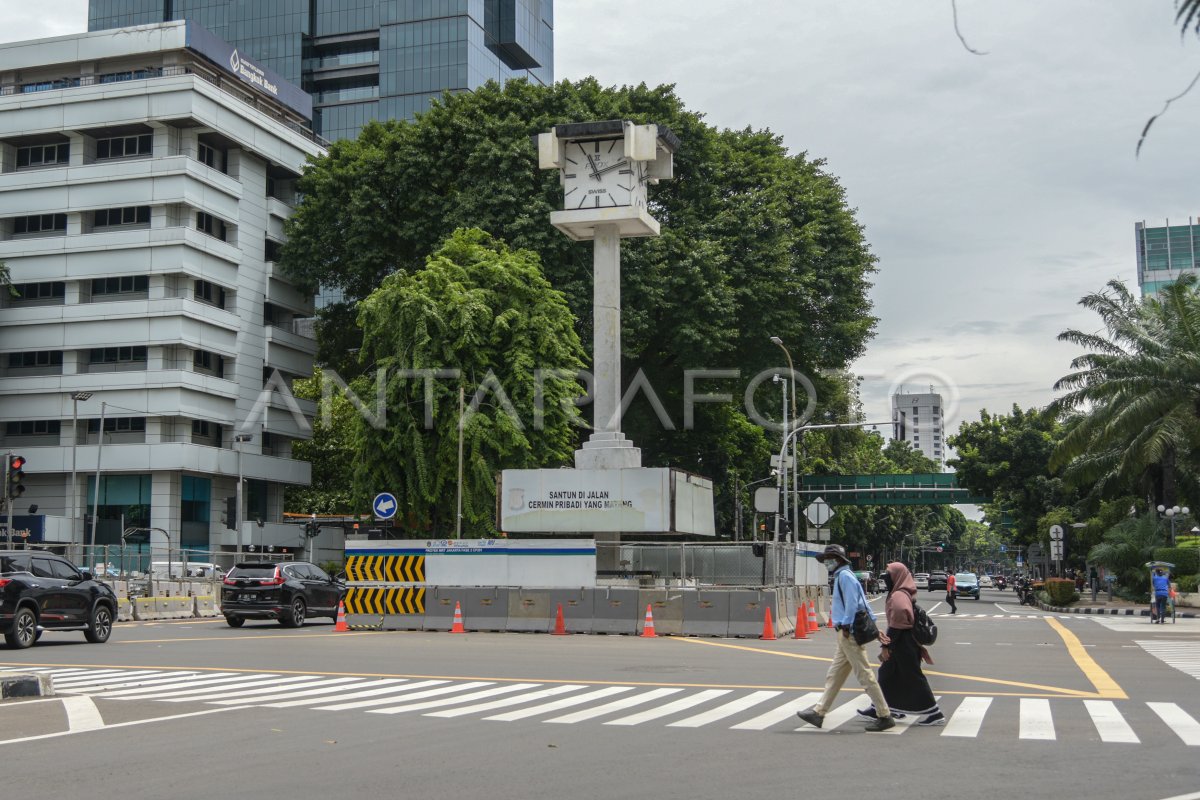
1185,559
1187,583
1060,590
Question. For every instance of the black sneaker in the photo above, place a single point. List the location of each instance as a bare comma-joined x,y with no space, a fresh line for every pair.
933,720
881,724
869,713
811,717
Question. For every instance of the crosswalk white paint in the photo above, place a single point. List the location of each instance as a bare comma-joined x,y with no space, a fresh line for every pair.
1183,656
1035,718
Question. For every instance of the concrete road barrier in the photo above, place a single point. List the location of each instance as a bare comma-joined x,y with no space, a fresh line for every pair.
666,607
529,611
205,605
124,609
616,611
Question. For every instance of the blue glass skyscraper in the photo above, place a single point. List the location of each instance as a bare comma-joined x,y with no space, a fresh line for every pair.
368,59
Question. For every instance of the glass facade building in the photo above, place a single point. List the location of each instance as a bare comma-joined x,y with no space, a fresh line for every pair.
368,59
1166,253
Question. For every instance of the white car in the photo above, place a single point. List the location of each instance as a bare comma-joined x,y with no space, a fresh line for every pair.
922,579
985,582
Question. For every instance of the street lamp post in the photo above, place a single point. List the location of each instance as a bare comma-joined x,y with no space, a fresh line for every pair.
783,471
795,421
96,496
1171,513
238,439
75,398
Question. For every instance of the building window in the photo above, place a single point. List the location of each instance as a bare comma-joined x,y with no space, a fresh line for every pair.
27,292
125,146
33,427
126,284
40,223
117,355
208,362
130,75
118,424
209,224
210,156
200,427
43,155
130,215
271,250
43,86
209,293
38,358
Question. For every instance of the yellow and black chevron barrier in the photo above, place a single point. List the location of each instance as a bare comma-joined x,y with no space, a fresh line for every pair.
386,569
380,600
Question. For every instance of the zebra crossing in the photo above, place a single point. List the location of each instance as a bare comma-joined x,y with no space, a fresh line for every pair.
569,703
964,615
1183,656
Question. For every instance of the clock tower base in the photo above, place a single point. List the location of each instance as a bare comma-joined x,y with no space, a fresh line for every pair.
607,450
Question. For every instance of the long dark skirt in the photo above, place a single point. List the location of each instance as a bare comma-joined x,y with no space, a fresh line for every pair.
900,677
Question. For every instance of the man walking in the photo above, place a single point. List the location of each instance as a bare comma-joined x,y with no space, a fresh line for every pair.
848,599
951,592
1162,590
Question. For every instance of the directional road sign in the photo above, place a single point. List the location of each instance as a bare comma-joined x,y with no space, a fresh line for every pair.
766,500
818,512
1056,533
384,505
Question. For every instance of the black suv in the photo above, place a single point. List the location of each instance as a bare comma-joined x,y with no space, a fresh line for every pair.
937,580
42,591
289,592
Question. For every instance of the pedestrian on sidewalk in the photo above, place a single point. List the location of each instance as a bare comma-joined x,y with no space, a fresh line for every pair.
1162,590
951,592
901,679
848,600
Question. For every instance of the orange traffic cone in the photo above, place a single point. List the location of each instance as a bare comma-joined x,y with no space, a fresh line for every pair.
457,627
648,628
341,625
801,631
768,626
829,619
560,627
813,625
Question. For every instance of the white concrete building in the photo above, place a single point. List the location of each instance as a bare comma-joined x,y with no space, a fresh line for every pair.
145,174
918,420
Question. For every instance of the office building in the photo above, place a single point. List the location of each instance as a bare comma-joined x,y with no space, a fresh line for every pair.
145,175
1164,254
368,59
918,420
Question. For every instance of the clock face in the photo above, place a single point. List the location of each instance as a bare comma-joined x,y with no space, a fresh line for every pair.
596,174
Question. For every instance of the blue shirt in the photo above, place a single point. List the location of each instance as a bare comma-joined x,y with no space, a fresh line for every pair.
1162,586
848,597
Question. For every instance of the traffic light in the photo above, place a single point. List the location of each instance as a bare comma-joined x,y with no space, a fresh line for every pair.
312,529
16,465
231,513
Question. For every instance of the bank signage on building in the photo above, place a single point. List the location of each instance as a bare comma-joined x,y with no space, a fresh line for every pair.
248,70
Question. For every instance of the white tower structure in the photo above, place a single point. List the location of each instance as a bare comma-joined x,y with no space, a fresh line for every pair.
918,419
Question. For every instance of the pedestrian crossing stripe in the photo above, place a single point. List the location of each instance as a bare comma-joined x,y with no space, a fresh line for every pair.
380,600
1036,719
385,569
1183,656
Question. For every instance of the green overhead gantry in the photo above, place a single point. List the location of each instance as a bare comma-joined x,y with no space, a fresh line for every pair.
921,489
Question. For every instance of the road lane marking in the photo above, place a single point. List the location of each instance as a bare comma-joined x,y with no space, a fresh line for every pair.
122,725
181,695
838,716
222,698
82,714
383,701
968,717
455,699
569,702
312,693
163,689
1036,719
1183,656
786,711
1105,686
615,705
682,704
505,702
1109,723
725,710
397,688
1178,720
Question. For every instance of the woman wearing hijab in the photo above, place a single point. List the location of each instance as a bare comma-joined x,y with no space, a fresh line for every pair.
900,677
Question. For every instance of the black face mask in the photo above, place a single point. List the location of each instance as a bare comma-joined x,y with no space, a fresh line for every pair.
887,581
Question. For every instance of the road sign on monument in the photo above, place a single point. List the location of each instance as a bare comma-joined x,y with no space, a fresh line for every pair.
384,505
1056,533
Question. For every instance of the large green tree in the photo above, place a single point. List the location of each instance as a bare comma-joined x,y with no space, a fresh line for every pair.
756,242
1133,402
486,312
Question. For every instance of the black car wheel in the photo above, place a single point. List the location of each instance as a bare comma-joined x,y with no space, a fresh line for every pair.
100,625
234,622
295,616
23,632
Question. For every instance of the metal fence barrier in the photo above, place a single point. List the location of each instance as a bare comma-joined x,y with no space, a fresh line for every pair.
729,564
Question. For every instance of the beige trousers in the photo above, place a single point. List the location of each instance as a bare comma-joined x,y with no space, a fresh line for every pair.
851,656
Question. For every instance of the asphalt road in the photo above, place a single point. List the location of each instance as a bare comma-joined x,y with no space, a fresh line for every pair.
1046,705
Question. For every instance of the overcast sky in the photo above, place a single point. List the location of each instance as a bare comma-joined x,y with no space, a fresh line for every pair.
996,190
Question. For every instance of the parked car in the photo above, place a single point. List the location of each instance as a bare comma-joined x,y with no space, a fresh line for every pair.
41,591
966,585
937,580
985,582
290,592
922,579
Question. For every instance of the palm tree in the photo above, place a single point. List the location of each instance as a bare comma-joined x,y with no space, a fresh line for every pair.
1132,405
1125,550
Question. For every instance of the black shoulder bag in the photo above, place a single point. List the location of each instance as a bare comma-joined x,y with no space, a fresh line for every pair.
863,629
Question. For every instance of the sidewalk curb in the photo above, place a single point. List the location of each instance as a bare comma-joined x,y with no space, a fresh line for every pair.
1113,612
14,683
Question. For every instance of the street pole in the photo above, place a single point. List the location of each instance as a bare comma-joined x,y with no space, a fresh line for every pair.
96,497
458,503
238,439
783,463
795,420
8,501
75,398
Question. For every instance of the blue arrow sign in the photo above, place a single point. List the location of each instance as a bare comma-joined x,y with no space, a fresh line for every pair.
384,505
1003,548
